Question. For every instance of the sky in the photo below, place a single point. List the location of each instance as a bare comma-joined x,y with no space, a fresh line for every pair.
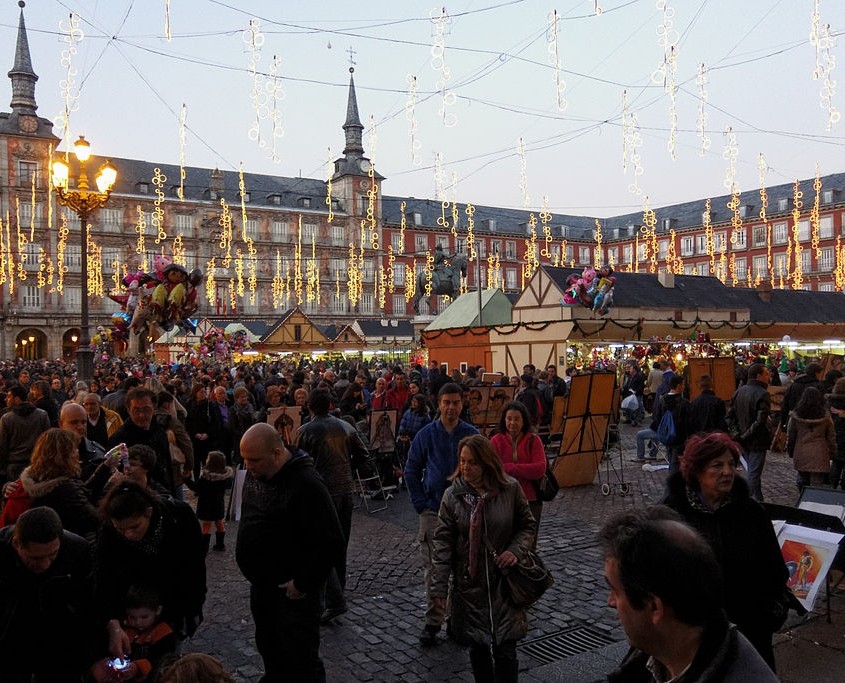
496,84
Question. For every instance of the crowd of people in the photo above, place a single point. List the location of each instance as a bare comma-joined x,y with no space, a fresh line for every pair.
95,475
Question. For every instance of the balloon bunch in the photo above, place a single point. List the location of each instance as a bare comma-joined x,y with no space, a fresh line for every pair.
238,341
593,289
214,343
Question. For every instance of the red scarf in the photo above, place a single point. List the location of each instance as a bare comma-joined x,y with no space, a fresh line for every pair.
477,527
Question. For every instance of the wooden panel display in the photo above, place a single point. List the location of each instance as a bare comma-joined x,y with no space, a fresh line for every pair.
585,428
721,370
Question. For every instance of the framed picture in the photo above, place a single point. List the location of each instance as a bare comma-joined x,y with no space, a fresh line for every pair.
808,554
286,420
499,396
478,397
383,428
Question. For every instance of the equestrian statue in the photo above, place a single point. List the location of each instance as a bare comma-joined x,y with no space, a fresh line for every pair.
445,278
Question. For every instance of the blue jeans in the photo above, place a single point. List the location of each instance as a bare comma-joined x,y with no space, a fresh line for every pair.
754,475
642,436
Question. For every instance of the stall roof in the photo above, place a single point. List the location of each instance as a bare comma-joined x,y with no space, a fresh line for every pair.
463,311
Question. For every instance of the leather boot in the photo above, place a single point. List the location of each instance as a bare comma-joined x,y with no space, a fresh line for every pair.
219,537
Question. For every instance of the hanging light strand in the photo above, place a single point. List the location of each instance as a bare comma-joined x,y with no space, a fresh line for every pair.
157,217
763,168
554,61
411,117
442,22
701,121
814,215
183,117
797,205
72,35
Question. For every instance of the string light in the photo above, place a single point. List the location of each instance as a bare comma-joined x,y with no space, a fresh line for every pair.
411,116
597,251
61,250
523,175
232,298
429,269
403,223
763,168
470,212
708,236
828,89
167,34
554,60
650,235
442,21
438,176
733,269
390,269
814,215
797,204
701,122
410,280
545,219
625,132
382,280
157,217
456,214
277,287
183,117
665,74
532,262
297,264
731,154
179,253
839,271
239,272
329,203
252,265
225,242
72,35
254,40
635,141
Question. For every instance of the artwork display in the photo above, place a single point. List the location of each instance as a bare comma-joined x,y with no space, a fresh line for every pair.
383,429
286,420
808,554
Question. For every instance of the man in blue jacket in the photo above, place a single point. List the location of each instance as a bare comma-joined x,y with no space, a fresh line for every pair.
432,459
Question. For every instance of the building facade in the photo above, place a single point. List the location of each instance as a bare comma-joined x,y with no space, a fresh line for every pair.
270,243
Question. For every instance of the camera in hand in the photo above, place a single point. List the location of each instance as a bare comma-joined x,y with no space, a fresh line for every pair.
119,663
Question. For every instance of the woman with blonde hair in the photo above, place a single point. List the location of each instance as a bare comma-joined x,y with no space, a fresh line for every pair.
485,527
195,668
52,479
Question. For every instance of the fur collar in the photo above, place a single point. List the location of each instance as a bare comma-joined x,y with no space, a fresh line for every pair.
38,489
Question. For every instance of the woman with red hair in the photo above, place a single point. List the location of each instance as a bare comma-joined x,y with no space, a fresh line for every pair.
712,499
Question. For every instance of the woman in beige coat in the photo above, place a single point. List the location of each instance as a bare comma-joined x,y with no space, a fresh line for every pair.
811,439
482,502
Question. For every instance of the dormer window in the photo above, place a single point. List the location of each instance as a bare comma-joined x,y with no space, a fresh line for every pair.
304,202
417,218
143,188
275,199
827,197
246,196
783,204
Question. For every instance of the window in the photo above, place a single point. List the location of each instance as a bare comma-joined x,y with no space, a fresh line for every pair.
73,258
110,255
461,246
144,188
340,305
703,268
761,267
339,235
365,305
25,171
826,262
400,307
338,269
368,272
780,233
398,243
252,228
481,248
779,266
701,247
705,216
495,246
689,269
31,254
555,251
279,231
803,230
305,202
720,242
826,227
569,252
741,268
662,249
612,253
417,218
510,278
398,274
421,243
628,253
111,220
826,287
420,268
25,214
183,222
71,298
740,236
806,261
309,233
759,235
642,251
827,198
31,297
687,246
584,255
247,197
275,199
191,260
783,204
510,250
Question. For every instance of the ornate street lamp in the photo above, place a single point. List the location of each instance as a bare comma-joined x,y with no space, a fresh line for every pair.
83,201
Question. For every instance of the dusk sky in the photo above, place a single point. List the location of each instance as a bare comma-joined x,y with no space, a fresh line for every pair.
501,87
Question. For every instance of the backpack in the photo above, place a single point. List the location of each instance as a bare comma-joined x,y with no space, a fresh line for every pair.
666,429
17,502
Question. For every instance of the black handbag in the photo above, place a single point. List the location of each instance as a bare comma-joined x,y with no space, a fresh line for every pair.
547,486
526,581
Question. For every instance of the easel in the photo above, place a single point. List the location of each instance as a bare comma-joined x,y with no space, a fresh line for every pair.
585,428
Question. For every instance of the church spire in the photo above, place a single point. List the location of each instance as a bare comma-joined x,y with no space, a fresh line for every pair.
353,128
22,76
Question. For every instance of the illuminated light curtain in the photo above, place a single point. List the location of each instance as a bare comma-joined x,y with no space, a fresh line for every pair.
157,218
226,234
701,120
814,214
797,205
554,61
61,253
403,223
665,74
411,117
442,21
764,206
72,35
210,282
470,213
597,251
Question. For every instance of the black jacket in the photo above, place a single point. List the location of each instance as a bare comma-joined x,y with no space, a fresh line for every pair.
333,444
707,412
47,626
793,395
170,558
71,500
743,539
752,405
289,528
681,414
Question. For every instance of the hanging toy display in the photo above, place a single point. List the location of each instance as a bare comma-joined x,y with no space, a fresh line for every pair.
592,289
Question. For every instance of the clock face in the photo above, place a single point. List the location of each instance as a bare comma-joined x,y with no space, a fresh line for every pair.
28,124
365,165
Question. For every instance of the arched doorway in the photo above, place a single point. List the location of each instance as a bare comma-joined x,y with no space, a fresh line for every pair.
31,344
70,343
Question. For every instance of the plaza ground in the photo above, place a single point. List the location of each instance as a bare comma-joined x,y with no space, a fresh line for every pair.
573,634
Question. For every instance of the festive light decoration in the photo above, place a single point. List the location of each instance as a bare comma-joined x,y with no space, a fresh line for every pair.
667,38
839,270
701,121
442,21
470,212
438,176
597,260
72,35
252,262
233,302
554,60
532,262
239,272
650,235
545,219
633,142
814,214
828,89
523,176
456,214
403,223
183,116
140,230
95,265
797,204
167,34
226,234
61,250
410,280
277,287
266,91
411,116
179,255
157,217
731,154
391,259
297,264
382,280
429,269
674,264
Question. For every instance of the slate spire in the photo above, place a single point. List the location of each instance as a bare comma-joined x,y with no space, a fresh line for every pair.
352,128
22,76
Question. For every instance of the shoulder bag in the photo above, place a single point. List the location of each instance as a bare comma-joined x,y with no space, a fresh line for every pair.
526,581
546,486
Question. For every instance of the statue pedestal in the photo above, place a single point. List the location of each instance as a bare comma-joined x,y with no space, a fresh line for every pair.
419,323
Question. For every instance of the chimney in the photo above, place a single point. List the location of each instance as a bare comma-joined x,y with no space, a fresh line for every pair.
764,291
216,181
666,279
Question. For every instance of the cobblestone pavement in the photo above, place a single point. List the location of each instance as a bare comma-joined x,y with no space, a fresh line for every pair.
377,639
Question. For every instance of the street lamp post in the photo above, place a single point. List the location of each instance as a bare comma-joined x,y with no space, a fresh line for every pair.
83,201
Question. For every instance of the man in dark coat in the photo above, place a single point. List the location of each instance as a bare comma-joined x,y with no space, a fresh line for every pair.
634,384
751,406
47,628
812,377
666,588
39,393
707,411
289,538
20,427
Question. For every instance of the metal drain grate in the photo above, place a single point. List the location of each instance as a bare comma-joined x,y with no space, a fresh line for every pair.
574,641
